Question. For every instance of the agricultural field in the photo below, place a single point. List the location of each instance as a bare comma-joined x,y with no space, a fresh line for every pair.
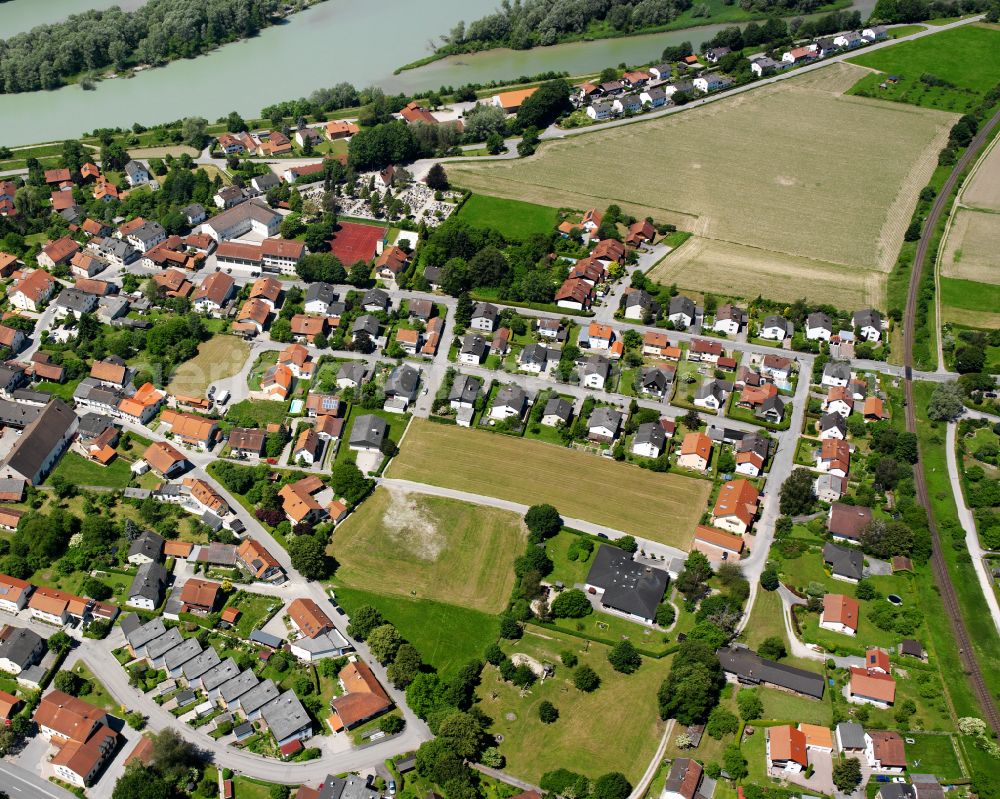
970,252
220,357
514,218
615,728
982,189
434,548
688,169
949,71
656,506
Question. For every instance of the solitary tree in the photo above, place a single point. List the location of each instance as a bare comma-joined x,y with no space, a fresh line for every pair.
586,679
624,657
543,521
547,712
847,774
437,178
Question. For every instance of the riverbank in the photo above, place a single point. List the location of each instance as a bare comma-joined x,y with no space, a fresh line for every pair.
598,31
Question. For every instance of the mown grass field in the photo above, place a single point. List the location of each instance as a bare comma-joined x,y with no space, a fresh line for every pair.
965,58
434,548
218,358
514,218
659,507
934,754
970,295
982,189
615,728
80,471
447,636
798,140
970,251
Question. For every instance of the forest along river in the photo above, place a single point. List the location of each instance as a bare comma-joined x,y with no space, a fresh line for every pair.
17,16
338,40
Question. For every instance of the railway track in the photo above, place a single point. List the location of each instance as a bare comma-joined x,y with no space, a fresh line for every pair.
941,575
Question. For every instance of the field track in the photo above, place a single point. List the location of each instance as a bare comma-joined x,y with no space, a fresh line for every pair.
941,574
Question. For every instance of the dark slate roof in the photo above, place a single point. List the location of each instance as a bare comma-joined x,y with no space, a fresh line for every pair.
164,643
841,371
557,406
867,318
204,662
628,586
258,696
261,637
403,380
234,688
510,396
139,634
650,433
20,646
149,544
474,345
376,297
681,304
150,582
366,322
610,418
351,787
369,431
285,715
39,439
852,735
820,320
844,562
465,388
751,667
485,310
832,419
181,654
324,292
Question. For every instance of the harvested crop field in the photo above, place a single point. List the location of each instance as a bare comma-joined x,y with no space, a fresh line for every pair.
724,266
655,506
970,253
220,357
434,548
795,169
983,188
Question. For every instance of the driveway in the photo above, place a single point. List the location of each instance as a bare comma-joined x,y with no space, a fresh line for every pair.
822,779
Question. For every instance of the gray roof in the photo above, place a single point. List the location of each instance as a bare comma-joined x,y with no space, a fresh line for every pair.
93,424
351,787
148,230
323,292
465,388
139,634
258,696
832,419
150,582
896,790
712,388
285,715
366,322
510,396
474,345
21,646
681,304
17,414
244,730
754,442
843,561
193,211
750,667
820,320
182,653
628,586
658,377
484,310
75,300
237,686
149,544
557,406
266,181
34,446
651,433
353,370
12,485
679,770
217,553
158,647
596,365
204,662
376,297
261,637
136,493
186,697
402,381
780,322
838,370
610,418
134,169
851,734
867,318
369,431
535,353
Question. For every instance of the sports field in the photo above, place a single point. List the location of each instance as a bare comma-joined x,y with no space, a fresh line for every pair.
220,357
794,170
655,506
353,242
514,218
949,71
615,728
434,548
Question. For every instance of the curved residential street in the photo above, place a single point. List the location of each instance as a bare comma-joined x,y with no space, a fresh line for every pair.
796,647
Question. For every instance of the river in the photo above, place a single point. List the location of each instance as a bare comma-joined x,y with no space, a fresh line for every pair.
338,40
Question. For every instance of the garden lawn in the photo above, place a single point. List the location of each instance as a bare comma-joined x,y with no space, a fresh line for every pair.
249,788
81,472
568,572
615,728
781,706
255,610
220,357
446,636
99,695
397,426
264,362
515,219
659,507
934,754
258,413
965,57
434,548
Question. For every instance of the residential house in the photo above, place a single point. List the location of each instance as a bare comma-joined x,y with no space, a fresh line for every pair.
165,459
510,401
147,548
143,405
484,317
830,488
885,751
871,687
191,429
845,564
473,350
297,360
875,33
638,305
729,319
681,311
246,441
604,424
401,386
819,326
696,450
799,55
839,400
254,216
534,358
786,749
260,563
317,635
369,433
82,734
777,369
319,297
834,457
352,374
712,82
365,324
846,522
776,328
252,317
464,391
609,251
840,614
136,174
148,586
687,780
850,739
600,337
31,290
600,110
58,252
836,374
712,394
654,343
832,426
868,323
717,545
214,293
20,649
57,607
363,698
658,381
575,293
736,506
391,263
14,593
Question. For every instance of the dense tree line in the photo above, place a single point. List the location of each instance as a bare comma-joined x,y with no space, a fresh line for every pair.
522,25
159,31
892,11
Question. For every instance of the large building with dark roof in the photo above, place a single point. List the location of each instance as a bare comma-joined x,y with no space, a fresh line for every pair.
632,588
39,447
751,669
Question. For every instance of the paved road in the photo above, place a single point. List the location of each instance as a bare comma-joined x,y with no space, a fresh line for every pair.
801,650
969,525
20,782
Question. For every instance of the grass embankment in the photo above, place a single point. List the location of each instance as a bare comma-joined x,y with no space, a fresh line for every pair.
655,506
434,548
